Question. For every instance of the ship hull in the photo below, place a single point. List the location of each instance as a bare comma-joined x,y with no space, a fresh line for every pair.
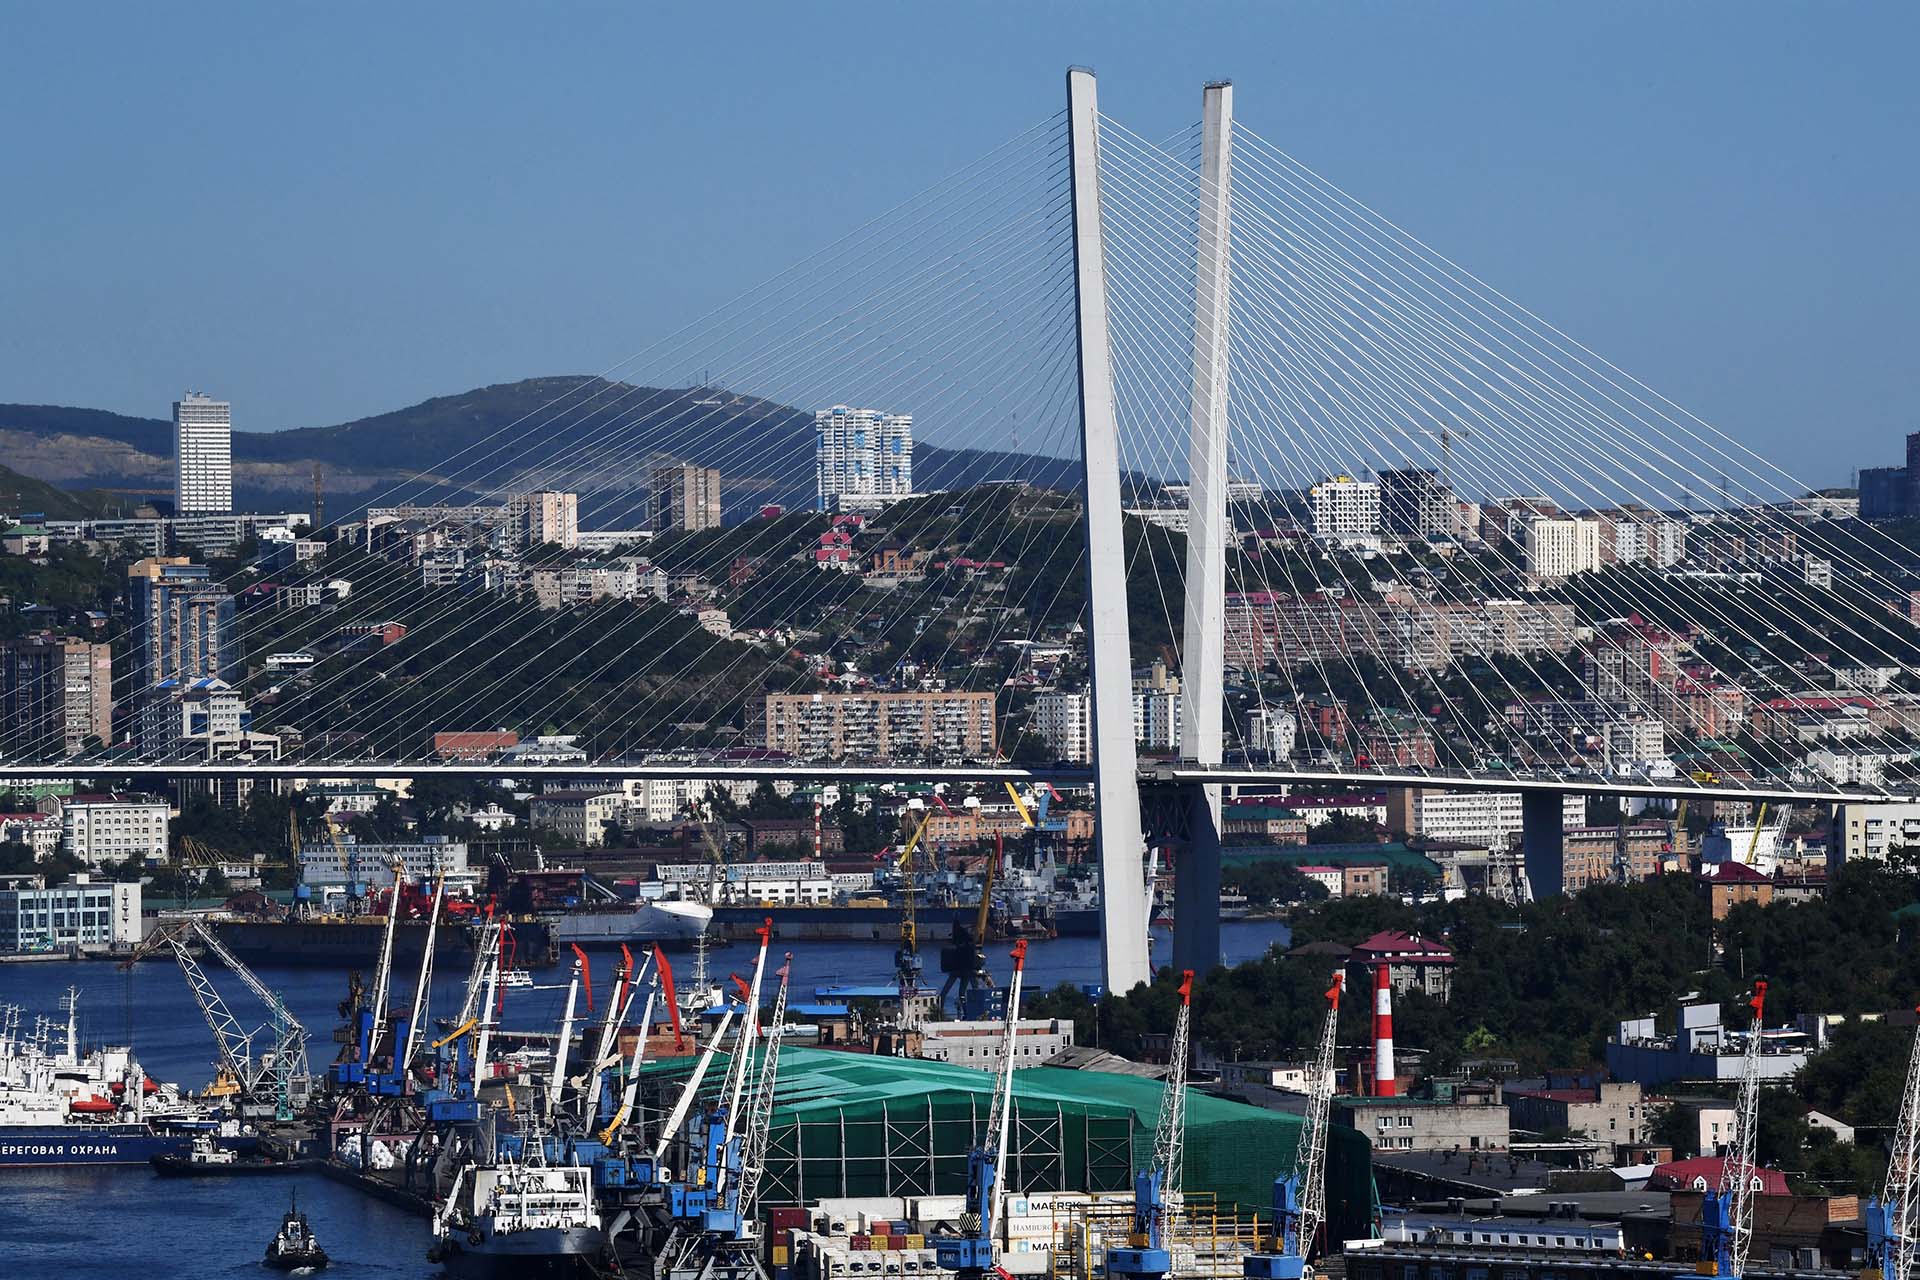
34,1146
357,943
821,923
641,925
546,1252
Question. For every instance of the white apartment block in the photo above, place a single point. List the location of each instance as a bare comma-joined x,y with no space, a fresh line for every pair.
1635,743
1346,510
1063,719
112,828
202,455
1272,731
1559,548
1871,830
1487,818
421,861
1156,717
580,816
863,458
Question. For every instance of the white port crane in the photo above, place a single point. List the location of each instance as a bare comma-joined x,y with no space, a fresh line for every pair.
1726,1215
1893,1220
1156,1188
753,1161
1300,1197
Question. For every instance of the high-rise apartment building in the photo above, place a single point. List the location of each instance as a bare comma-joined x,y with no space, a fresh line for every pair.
685,497
181,623
202,455
55,694
546,516
1345,510
863,458
1560,548
1415,503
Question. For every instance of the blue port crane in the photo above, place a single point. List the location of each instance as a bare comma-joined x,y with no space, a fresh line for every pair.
971,1254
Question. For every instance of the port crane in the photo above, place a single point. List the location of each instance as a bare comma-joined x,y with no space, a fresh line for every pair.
1893,1218
279,1079
710,1237
907,966
1726,1214
1156,1189
1300,1196
964,960
971,1255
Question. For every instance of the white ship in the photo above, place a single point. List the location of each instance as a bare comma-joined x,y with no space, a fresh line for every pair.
514,1219
59,1105
645,922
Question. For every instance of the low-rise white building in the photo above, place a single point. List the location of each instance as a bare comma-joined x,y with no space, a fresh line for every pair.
977,1044
39,832
85,913
371,862
105,828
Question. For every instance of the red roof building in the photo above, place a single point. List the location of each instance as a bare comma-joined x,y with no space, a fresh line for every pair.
1702,1173
1413,963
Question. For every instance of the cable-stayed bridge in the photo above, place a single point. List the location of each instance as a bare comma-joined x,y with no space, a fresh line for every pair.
1204,454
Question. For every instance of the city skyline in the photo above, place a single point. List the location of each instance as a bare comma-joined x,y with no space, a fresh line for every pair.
1703,174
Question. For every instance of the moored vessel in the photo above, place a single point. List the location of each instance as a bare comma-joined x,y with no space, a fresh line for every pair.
59,1106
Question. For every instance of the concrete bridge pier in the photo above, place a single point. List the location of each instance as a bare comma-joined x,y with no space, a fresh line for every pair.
1542,841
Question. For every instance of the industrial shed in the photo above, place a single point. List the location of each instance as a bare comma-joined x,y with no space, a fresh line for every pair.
851,1124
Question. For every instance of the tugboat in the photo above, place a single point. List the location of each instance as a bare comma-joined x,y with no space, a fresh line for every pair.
295,1248
209,1157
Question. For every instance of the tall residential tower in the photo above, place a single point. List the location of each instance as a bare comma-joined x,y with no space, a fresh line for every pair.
863,458
202,456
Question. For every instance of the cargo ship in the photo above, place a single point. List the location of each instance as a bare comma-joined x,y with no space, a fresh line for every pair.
59,1106
345,943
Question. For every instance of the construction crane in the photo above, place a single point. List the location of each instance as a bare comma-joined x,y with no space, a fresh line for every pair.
281,1079
1156,1189
1446,435
1893,1219
1300,1196
1726,1215
971,1255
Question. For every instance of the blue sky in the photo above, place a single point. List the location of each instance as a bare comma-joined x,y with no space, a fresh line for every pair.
327,211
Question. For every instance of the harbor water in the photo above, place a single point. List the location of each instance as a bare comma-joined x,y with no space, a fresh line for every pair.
79,1223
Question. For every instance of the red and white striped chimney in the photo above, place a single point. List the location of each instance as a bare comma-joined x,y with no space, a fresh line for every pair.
1383,1081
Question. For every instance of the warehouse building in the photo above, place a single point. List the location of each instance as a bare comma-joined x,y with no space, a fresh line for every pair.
853,1125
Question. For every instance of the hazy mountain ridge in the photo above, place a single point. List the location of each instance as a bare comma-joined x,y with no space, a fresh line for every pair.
583,431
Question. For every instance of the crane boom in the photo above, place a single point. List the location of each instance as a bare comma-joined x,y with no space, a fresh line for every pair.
753,1161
